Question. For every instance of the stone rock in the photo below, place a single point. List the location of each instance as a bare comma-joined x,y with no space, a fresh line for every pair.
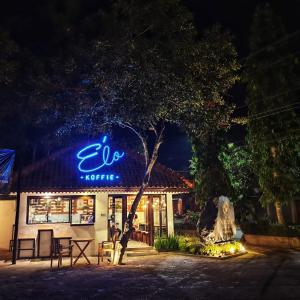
217,221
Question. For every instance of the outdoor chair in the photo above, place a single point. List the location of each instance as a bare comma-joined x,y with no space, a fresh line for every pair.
60,250
106,246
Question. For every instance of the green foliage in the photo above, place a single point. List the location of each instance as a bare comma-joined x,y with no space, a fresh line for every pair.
191,217
222,249
272,132
211,179
191,244
188,243
265,228
166,243
237,163
206,116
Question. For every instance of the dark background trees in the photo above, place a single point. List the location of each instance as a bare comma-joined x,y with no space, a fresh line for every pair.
272,97
51,70
151,68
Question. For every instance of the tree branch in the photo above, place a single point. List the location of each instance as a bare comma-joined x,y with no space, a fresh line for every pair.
142,139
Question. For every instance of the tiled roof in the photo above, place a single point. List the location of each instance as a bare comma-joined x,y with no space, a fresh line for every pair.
59,172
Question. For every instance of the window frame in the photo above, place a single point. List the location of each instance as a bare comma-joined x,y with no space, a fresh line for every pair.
94,210
70,198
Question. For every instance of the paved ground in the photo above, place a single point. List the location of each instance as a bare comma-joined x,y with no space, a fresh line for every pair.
260,274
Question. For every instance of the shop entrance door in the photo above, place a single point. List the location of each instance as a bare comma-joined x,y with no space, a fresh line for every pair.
116,206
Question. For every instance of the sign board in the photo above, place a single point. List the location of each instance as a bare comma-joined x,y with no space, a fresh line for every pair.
7,158
96,161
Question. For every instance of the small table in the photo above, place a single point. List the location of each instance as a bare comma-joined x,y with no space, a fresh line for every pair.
87,242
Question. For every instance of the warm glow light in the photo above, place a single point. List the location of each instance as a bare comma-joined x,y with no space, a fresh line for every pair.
231,250
242,248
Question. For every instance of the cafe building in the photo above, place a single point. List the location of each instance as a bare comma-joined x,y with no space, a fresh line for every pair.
80,191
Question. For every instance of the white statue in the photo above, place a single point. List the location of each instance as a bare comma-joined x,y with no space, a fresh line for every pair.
225,228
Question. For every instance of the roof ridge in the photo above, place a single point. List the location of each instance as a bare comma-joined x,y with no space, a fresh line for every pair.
48,171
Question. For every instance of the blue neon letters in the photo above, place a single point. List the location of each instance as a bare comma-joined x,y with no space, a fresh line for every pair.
99,155
99,177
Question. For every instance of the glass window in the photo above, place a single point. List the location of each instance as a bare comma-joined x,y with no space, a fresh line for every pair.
60,209
48,210
142,212
115,211
160,215
83,210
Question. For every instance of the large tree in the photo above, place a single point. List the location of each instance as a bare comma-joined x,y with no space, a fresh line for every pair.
237,162
208,116
42,64
138,78
273,127
150,69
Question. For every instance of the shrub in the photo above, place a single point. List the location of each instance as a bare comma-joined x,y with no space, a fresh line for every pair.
191,218
167,243
186,243
222,249
191,245
265,228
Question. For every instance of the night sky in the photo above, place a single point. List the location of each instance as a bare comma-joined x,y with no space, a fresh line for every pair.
236,16
28,23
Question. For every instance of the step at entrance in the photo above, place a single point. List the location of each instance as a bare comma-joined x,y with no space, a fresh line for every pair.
132,252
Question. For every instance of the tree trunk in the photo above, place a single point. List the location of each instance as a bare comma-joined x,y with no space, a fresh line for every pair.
268,208
294,211
279,213
128,223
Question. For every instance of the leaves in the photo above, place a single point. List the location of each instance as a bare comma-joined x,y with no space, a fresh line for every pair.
272,131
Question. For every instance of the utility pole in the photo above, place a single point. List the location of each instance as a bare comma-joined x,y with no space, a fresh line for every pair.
15,244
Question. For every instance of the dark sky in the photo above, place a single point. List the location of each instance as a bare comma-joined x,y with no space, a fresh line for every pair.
236,15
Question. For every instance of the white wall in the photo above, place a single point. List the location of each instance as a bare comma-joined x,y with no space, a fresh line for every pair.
7,219
98,231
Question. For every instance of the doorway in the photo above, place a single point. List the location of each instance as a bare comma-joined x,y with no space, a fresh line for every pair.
116,213
151,214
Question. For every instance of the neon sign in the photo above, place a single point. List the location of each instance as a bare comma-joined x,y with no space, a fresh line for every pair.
97,156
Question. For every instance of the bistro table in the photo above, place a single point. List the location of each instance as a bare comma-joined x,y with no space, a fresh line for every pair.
82,249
